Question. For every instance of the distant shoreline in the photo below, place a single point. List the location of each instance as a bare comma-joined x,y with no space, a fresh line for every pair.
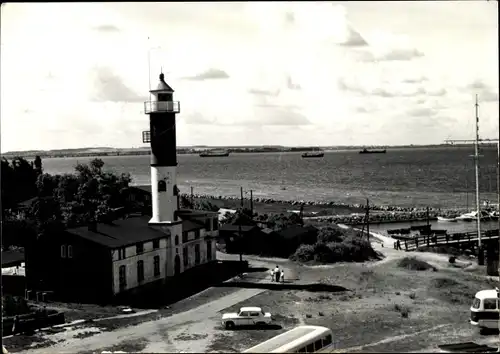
91,152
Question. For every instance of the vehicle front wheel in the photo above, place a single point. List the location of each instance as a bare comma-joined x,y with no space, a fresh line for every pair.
229,325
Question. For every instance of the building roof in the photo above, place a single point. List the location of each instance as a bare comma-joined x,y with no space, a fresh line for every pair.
195,212
296,231
267,231
11,257
120,233
191,225
145,188
236,228
162,85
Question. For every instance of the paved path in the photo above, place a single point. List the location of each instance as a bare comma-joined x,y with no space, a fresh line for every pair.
190,331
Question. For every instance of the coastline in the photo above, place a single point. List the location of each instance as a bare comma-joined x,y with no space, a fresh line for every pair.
330,211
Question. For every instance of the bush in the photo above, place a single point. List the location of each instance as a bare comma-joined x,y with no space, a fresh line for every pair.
14,305
334,246
412,263
304,253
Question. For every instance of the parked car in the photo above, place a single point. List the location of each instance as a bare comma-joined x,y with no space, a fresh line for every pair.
247,316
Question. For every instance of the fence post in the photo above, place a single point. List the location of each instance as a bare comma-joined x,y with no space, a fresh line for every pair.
468,236
406,246
428,240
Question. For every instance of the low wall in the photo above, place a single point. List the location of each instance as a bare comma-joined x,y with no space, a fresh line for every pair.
31,322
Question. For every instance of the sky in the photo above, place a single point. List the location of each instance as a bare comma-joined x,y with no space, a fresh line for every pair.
301,73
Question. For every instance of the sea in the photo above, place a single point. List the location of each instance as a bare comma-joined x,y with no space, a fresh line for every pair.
438,177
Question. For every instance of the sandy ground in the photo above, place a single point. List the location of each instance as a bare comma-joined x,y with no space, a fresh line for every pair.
374,306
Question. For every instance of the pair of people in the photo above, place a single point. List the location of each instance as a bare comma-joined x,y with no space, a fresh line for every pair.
277,274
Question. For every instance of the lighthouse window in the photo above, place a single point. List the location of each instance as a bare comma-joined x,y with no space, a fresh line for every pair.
162,186
176,240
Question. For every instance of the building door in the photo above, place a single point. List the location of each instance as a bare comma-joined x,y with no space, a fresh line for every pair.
177,266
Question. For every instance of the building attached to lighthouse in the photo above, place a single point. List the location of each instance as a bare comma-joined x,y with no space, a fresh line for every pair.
191,232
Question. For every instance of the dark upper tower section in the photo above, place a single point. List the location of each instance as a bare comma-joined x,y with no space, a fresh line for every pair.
162,110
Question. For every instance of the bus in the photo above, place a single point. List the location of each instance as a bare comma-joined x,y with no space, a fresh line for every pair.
301,339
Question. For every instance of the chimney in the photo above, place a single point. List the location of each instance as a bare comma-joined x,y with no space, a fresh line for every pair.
92,226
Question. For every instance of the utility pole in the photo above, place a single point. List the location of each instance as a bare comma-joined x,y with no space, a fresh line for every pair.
427,216
192,198
251,202
239,225
368,219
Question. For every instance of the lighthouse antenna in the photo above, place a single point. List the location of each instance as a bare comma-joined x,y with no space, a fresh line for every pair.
149,69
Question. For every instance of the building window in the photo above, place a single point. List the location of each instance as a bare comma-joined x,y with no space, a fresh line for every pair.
121,253
215,225
176,240
63,251
184,236
139,248
209,250
140,271
197,254
123,277
196,234
185,256
156,266
208,224
162,186
156,244
70,251
147,198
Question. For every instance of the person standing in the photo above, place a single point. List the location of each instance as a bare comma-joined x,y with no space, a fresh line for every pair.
277,273
282,275
271,272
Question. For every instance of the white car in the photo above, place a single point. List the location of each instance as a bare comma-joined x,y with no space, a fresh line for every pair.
247,316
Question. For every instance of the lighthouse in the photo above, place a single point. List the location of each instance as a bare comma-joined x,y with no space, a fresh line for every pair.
164,193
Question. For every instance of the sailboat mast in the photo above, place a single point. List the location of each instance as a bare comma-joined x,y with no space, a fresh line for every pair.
476,158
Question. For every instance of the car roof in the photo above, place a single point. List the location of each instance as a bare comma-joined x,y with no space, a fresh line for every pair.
486,294
251,309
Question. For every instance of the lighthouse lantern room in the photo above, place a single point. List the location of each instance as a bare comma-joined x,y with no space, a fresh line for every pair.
164,193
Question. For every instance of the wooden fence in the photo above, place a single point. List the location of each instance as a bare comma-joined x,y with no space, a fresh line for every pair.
442,240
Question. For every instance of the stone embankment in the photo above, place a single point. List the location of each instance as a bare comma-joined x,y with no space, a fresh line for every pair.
378,213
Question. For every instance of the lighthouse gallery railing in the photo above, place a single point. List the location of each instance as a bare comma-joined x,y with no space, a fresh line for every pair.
162,106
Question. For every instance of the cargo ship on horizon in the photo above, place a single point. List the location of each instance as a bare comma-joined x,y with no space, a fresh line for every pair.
366,151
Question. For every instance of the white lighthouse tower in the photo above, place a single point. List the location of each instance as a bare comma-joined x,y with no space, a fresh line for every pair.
164,193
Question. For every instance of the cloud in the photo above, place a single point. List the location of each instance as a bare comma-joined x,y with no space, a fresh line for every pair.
388,89
210,74
291,85
107,29
277,116
264,92
354,39
485,92
198,118
397,54
107,86
421,112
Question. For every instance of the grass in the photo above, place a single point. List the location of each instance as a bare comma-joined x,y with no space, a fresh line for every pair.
380,310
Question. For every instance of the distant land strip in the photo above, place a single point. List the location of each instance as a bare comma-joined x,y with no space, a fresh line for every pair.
107,151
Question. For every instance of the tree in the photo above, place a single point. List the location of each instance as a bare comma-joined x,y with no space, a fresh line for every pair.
18,181
282,221
38,165
204,204
242,216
